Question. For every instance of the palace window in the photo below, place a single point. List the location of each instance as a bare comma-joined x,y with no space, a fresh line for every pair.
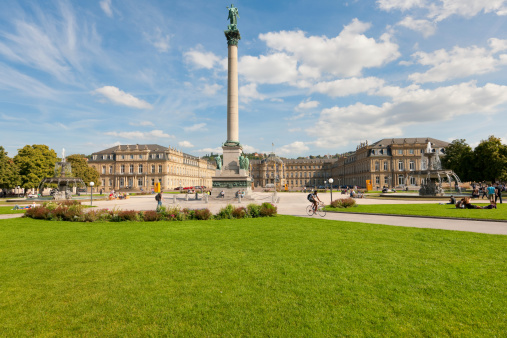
110,169
377,166
377,179
385,165
412,180
122,182
400,165
412,165
401,180
131,157
104,169
152,169
140,182
160,169
152,181
411,151
140,157
122,169
400,151
110,182
386,180
122,157
140,169
131,169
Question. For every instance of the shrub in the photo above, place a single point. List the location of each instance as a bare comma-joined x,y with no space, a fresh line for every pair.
174,214
343,203
72,213
254,210
239,212
203,214
151,216
268,210
96,215
39,212
69,203
128,215
225,212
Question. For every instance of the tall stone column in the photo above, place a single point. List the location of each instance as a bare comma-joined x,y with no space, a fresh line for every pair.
232,95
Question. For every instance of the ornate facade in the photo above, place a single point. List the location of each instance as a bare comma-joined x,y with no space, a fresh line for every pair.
141,166
388,162
295,173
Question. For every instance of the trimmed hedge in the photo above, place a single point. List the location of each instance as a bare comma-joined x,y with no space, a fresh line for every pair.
74,212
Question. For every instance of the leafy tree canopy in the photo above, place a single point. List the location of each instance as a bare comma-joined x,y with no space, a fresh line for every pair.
491,159
81,169
459,158
35,163
9,176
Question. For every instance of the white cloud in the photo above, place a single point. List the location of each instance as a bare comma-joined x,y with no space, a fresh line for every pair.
118,96
274,68
307,104
497,45
346,87
185,144
294,130
442,9
410,105
217,150
142,123
400,4
211,90
459,62
106,7
139,134
344,55
296,147
159,40
196,127
249,92
200,59
425,27
249,149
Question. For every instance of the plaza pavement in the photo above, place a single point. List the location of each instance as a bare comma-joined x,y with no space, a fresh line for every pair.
295,204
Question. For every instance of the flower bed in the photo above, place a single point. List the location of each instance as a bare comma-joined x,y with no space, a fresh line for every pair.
74,212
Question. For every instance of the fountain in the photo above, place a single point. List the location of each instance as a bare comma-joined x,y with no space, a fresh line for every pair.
62,178
431,167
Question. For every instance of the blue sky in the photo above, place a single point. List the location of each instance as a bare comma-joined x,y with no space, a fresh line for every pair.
315,77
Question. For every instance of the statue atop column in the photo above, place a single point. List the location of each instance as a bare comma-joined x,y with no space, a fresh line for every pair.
233,17
232,32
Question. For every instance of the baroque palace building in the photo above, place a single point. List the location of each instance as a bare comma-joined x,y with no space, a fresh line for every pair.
140,166
389,162
293,173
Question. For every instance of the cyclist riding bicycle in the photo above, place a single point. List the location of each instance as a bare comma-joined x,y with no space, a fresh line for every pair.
314,198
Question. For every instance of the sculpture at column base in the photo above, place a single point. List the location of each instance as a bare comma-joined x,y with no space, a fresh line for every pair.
231,144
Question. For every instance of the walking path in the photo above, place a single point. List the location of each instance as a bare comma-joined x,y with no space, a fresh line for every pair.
295,204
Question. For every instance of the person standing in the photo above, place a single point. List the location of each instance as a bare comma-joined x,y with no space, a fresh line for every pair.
498,193
491,192
159,199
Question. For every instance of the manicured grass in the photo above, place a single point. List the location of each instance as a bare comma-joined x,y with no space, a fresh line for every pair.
282,276
8,210
435,210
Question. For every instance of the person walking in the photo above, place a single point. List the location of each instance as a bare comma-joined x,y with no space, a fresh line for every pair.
159,199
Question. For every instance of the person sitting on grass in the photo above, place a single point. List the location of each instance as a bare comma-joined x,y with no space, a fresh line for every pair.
492,205
469,205
452,200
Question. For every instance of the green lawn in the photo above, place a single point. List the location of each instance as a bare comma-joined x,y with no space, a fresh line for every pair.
435,209
282,276
8,210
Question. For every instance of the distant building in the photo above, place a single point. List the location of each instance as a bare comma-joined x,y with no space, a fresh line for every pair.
388,162
140,166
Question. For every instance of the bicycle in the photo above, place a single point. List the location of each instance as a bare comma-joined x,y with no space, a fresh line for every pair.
320,210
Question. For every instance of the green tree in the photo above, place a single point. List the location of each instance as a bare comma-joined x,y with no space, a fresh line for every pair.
81,169
459,157
491,159
9,174
35,163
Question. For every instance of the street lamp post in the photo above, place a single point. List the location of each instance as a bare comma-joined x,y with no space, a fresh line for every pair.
91,193
331,185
